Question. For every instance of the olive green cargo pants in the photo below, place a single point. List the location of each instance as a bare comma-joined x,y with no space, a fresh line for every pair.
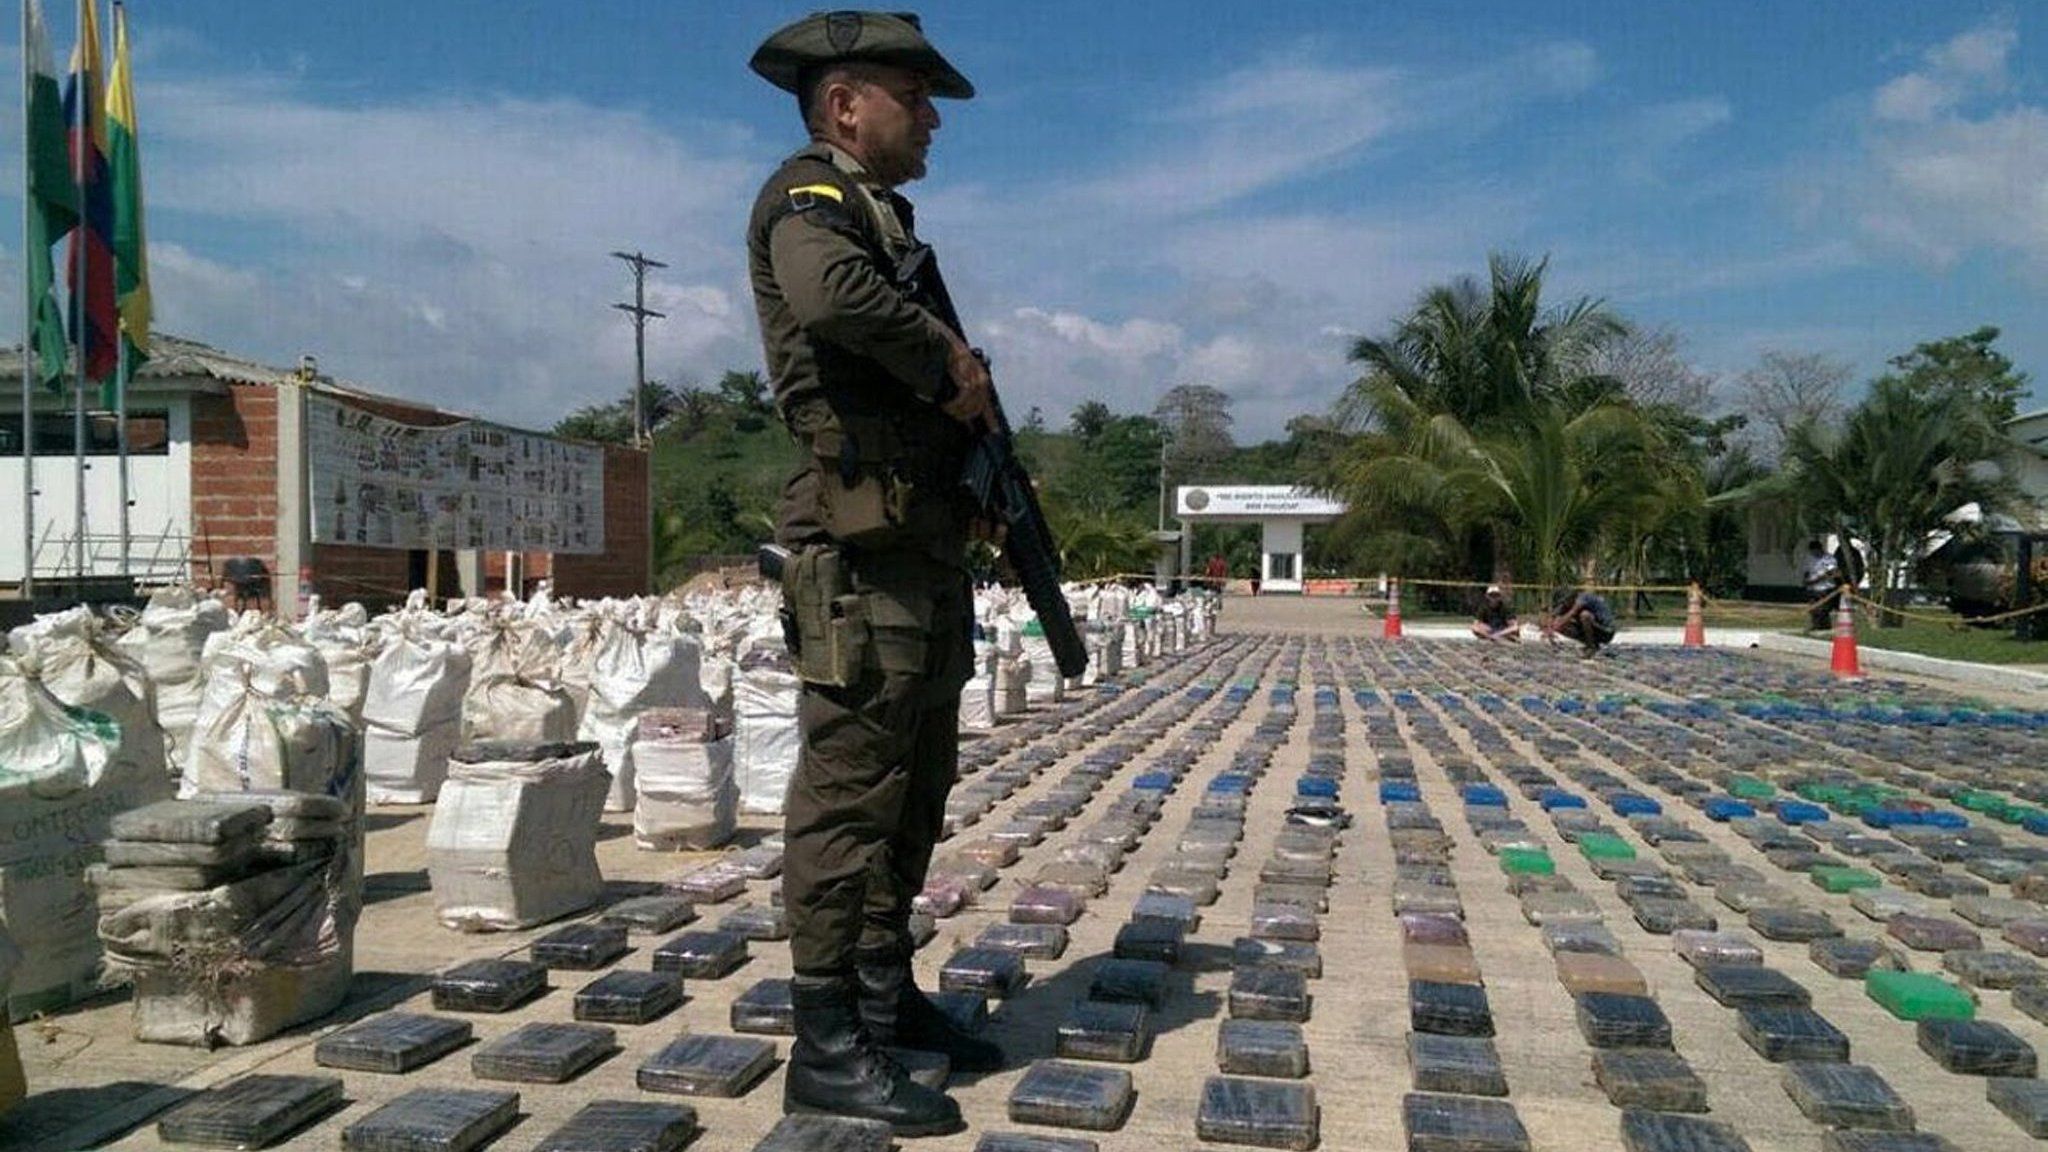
878,760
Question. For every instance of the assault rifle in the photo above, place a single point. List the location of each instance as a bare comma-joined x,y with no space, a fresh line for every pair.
1002,489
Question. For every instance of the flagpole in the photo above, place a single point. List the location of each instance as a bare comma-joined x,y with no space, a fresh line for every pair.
121,437
121,367
28,373
80,141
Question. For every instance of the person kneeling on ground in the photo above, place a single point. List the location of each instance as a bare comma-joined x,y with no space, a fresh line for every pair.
1582,616
1495,619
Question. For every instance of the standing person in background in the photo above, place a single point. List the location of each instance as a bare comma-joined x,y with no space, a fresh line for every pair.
1582,616
885,398
1217,572
1496,620
1822,579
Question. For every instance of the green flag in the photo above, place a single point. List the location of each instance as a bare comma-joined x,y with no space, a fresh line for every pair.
52,197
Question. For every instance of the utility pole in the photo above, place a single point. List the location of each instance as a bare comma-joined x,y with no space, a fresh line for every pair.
640,313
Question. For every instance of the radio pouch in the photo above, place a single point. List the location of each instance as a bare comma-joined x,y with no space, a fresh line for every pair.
831,621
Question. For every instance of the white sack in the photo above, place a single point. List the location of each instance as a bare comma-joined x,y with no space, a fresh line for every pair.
168,641
765,736
81,665
412,718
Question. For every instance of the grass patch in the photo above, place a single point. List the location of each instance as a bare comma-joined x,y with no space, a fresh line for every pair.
1976,645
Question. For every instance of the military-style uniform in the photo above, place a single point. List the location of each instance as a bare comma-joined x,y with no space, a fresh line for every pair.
877,595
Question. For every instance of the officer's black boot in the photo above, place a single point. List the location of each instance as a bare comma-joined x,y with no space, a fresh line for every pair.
898,1014
836,1068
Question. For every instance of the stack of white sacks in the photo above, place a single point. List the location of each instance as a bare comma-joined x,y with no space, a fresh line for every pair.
68,772
641,662
513,691
186,696
1109,612
264,695
349,645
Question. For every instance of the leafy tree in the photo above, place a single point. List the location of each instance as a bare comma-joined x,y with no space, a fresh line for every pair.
1102,542
745,391
745,396
1118,468
693,407
1968,364
1088,419
613,423
1900,463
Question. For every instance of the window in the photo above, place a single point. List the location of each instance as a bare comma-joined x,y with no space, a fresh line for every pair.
1281,566
149,434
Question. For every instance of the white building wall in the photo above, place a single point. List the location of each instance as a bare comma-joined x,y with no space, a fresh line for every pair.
160,518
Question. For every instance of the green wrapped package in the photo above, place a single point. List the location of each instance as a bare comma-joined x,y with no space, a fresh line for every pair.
1605,846
1750,788
1841,878
1527,862
1918,996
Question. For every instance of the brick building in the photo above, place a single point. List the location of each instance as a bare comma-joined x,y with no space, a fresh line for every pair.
224,466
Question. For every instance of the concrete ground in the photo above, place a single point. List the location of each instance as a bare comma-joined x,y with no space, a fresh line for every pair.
92,1086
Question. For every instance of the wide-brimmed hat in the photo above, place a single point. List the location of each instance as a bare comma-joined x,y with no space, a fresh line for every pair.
883,37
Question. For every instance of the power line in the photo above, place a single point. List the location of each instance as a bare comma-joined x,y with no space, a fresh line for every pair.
641,313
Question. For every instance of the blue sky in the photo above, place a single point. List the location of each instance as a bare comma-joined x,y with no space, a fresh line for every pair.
1145,194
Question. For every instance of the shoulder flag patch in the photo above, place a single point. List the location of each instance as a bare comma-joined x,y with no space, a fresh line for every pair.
803,198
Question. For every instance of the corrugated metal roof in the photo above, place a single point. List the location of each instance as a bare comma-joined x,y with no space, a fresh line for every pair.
177,358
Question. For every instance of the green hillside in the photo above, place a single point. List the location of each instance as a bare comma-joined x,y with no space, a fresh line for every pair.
720,459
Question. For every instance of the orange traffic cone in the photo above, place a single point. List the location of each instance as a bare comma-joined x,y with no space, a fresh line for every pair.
1390,629
1695,618
1844,663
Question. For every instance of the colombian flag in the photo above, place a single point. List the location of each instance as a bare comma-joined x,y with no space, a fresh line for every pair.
124,162
91,263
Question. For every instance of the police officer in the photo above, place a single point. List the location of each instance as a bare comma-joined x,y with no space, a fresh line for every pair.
885,398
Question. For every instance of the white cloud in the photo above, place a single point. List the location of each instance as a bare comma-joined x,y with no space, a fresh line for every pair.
1647,139
1945,170
453,250
1971,64
1282,119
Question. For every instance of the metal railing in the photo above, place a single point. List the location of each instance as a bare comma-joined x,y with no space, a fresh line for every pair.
151,558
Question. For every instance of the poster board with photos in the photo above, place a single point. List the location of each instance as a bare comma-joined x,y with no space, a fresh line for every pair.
380,483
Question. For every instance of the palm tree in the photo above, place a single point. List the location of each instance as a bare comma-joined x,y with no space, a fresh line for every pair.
1557,491
1481,356
1097,542
1476,431
1891,476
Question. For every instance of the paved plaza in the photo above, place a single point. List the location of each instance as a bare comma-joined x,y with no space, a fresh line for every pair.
1545,824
